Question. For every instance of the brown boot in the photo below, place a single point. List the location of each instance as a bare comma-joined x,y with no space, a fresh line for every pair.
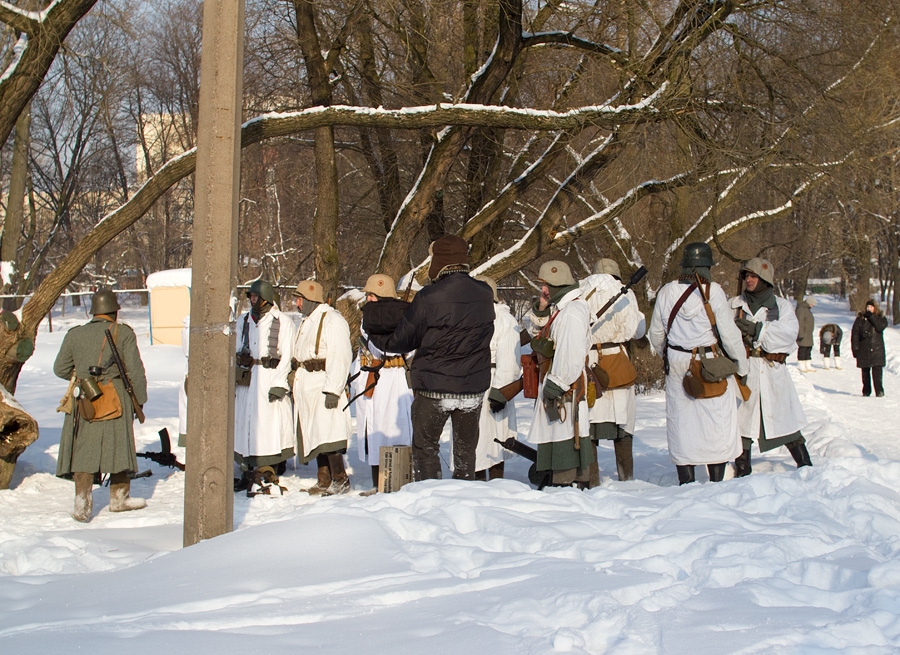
84,499
120,499
624,458
496,471
340,481
324,477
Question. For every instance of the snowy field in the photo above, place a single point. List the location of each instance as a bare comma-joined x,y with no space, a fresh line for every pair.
783,561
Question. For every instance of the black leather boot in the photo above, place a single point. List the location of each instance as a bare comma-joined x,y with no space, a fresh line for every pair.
742,464
685,473
799,453
716,472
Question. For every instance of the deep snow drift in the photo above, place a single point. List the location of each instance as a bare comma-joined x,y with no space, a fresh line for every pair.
783,561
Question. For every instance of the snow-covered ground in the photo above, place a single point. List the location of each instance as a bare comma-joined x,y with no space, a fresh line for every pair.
783,561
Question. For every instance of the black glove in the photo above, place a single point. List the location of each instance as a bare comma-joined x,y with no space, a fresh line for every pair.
276,393
552,391
331,400
496,400
748,328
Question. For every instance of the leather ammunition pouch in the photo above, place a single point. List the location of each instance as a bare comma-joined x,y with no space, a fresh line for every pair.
313,365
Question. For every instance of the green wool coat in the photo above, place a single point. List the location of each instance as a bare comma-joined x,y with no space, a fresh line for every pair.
101,446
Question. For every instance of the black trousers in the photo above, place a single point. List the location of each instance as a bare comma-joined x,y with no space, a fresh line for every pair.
804,353
429,415
874,380
826,349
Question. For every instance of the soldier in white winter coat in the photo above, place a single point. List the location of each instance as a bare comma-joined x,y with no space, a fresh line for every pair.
773,416
498,415
699,431
563,446
323,356
263,415
383,397
612,416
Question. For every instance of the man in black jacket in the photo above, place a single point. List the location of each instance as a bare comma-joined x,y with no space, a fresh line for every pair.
867,342
449,325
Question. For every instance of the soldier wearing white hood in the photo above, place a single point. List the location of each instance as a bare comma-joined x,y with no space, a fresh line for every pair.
699,430
383,395
498,415
613,413
773,415
560,424
263,416
323,355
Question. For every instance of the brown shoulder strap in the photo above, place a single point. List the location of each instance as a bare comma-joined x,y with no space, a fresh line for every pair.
319,333
681,301
549,323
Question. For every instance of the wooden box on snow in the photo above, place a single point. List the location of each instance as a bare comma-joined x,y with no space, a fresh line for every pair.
395,468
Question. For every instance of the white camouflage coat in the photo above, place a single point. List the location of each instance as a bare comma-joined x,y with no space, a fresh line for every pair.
570,332
506,363
320,425
261,427
699,431
771,382
385,418
620,323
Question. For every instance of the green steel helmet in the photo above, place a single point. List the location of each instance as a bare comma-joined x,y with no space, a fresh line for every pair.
104,302
760,267
262,289
697,254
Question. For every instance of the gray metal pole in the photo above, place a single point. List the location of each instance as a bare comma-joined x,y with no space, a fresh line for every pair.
209,481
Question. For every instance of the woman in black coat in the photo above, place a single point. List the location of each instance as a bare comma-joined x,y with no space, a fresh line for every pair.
867,342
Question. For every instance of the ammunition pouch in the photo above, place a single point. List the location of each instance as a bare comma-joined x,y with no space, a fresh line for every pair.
242,375
313,365
269,362
244,359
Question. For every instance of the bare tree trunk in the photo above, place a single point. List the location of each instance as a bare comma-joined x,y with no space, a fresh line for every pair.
18,430
327,262
15,206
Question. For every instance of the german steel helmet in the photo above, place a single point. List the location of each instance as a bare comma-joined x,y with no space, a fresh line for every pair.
608,266
381,285
556,274
262,289
310,290
104,302
760,267
697,254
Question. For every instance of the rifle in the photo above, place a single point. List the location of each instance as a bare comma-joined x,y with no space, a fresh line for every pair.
636,277
138,411
512,389
539,478
165,456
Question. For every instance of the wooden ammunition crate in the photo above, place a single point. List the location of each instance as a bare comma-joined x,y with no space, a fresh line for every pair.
395,468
